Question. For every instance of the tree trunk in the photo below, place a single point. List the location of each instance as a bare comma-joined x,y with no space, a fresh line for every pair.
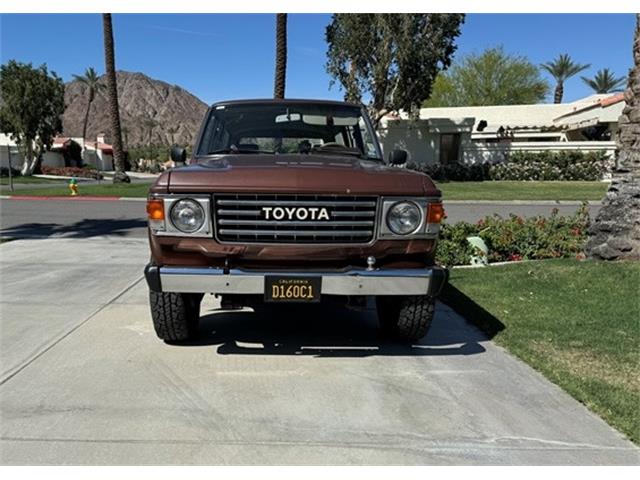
559,93
615,234
86,115
112,95
29,164
281,55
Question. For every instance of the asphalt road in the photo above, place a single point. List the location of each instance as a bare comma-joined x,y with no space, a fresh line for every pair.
85,381
83,218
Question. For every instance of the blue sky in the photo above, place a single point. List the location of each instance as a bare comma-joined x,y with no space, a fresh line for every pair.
219,57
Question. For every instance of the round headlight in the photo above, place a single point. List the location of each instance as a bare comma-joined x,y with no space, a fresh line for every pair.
403,218
187,215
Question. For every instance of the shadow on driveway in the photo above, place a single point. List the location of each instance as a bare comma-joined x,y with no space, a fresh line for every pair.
82,229
326,331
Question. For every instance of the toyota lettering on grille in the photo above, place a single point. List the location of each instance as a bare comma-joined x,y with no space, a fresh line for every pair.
295,213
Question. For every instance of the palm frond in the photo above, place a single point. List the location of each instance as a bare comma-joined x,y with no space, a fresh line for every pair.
564,67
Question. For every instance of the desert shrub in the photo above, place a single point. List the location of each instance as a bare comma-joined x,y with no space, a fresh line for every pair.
71,172
516,238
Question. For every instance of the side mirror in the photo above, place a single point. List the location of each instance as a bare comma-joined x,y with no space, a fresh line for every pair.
398,157
178,155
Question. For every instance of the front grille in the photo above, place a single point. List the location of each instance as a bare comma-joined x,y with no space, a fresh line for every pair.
241,218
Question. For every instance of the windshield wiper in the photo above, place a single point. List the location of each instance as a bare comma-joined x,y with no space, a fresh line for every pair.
239,150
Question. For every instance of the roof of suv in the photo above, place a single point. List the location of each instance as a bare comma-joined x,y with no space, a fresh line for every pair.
285,101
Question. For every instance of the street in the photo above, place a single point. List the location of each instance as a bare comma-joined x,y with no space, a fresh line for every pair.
85,380
126,218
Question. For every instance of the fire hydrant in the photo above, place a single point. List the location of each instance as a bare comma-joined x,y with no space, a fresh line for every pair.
73,186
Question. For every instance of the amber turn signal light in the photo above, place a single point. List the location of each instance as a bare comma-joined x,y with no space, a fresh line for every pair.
435,213
155,209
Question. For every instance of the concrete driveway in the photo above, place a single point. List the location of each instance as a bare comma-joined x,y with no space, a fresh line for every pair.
85,381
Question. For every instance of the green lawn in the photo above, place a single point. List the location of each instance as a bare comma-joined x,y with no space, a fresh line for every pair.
105,190
22,180
508,190
577,322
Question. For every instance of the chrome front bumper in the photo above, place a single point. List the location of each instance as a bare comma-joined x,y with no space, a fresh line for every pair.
354,281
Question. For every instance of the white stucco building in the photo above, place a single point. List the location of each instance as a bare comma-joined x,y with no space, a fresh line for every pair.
65,151
489,133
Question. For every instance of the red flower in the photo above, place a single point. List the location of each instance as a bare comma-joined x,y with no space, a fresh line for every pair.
515,257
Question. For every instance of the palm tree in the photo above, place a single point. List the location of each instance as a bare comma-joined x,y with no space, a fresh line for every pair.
92,81
615,233
605,81
112,97
562,68
281,55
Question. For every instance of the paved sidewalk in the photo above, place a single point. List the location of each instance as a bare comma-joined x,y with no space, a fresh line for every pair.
91,384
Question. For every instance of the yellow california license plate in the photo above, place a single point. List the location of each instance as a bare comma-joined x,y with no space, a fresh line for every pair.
287,288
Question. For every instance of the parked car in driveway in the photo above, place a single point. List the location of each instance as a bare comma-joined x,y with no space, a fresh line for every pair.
291,201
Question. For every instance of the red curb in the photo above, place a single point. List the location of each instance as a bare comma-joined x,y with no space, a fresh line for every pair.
88,197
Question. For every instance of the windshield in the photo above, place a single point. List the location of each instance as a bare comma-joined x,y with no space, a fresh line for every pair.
290,128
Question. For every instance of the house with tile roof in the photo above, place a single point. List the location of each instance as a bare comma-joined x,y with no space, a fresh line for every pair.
64,152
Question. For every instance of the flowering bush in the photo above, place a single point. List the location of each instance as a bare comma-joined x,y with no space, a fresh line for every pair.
566,165
71,172
516,238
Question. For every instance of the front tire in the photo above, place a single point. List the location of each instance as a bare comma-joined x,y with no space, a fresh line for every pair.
175,315
406,318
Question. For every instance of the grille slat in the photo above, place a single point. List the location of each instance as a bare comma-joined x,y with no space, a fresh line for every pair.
300,203
275,223
319,233
240,218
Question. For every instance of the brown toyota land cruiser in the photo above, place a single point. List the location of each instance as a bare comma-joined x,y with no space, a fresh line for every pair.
291,201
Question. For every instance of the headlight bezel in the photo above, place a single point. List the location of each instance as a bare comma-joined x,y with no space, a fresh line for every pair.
167,226
424,230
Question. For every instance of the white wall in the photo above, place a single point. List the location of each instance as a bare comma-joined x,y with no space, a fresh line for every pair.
52,159
421,138
98,159
496,152
420,144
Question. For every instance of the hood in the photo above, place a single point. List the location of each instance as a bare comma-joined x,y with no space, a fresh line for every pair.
295,173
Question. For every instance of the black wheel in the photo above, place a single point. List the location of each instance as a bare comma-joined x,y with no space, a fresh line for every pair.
175,315
405,317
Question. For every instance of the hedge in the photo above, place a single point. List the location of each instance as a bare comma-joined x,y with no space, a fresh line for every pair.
566,165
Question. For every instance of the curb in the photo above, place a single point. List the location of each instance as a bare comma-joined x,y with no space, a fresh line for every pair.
91,198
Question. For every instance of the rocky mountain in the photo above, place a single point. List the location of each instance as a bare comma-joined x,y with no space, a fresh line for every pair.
151,111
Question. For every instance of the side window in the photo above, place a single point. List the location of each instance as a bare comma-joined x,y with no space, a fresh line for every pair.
215,137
